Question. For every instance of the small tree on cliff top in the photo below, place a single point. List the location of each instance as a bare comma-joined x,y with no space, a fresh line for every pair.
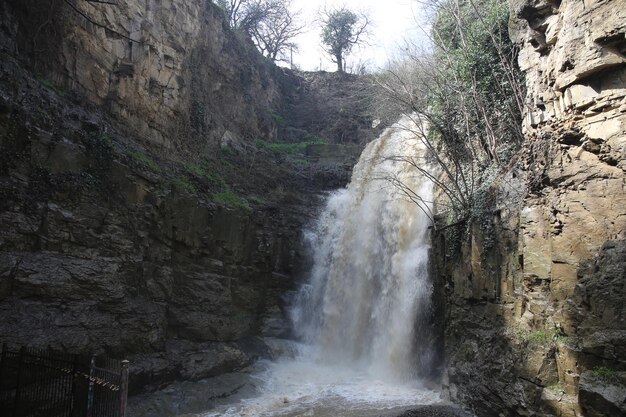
342,29
271,24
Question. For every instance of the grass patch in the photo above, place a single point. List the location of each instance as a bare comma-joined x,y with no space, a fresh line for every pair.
230,199
538,337
195,168
227,150
257,200
183,183
602,372
288,148
556,388
144,159
566,340
277,117
299,162
227,164
533,338
203,172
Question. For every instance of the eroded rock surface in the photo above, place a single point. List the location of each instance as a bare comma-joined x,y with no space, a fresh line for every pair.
138,217
534,301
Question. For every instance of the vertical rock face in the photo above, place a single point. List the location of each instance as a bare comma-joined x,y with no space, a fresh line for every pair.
169,71
527,332
137,218
101,252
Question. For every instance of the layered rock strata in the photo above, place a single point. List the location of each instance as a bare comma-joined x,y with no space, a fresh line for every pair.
169,72
535,314
107,249
138,219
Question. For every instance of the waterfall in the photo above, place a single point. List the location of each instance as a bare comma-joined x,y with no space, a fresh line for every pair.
363,314
368,297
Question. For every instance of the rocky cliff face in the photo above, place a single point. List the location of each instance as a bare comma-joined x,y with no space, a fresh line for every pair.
169,72
535,312
137,217
108,249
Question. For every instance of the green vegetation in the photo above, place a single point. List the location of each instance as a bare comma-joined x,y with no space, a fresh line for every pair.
226,164
270,24
144,159
602,372
289,148
556,388
227,150
50,85
299,162
341,30
203,171
183,183
230,199
257,200
538,337
277,117
467,100
542,337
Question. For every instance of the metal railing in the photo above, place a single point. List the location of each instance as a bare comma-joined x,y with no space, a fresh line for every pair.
45,383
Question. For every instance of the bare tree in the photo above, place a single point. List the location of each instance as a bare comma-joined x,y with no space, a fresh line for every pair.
271,24
466,98
274,34
342,29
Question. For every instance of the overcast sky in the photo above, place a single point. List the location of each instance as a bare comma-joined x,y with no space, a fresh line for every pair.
392,22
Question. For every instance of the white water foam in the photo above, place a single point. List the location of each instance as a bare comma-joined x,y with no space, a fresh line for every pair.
306,387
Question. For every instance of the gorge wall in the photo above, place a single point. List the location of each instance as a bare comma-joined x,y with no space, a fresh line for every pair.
169,72
535,322
138,217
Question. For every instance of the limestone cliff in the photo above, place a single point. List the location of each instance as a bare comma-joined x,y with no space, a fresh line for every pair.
535,314
138,218
168,71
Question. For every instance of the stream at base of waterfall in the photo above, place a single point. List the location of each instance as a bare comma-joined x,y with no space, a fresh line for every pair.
363,315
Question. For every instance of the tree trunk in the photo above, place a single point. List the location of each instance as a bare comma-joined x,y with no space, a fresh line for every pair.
339,61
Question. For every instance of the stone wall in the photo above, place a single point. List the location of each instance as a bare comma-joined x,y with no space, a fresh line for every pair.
526,331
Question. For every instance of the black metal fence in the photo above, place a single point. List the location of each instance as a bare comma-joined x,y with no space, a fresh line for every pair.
44,383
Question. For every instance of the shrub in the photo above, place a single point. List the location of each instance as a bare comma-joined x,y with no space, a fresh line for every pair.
277,117
467,97
538,337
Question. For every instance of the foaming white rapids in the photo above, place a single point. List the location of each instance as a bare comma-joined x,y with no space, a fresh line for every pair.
306,387
363,313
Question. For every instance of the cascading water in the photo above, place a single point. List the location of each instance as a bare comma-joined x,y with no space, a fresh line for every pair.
369,293
363,313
